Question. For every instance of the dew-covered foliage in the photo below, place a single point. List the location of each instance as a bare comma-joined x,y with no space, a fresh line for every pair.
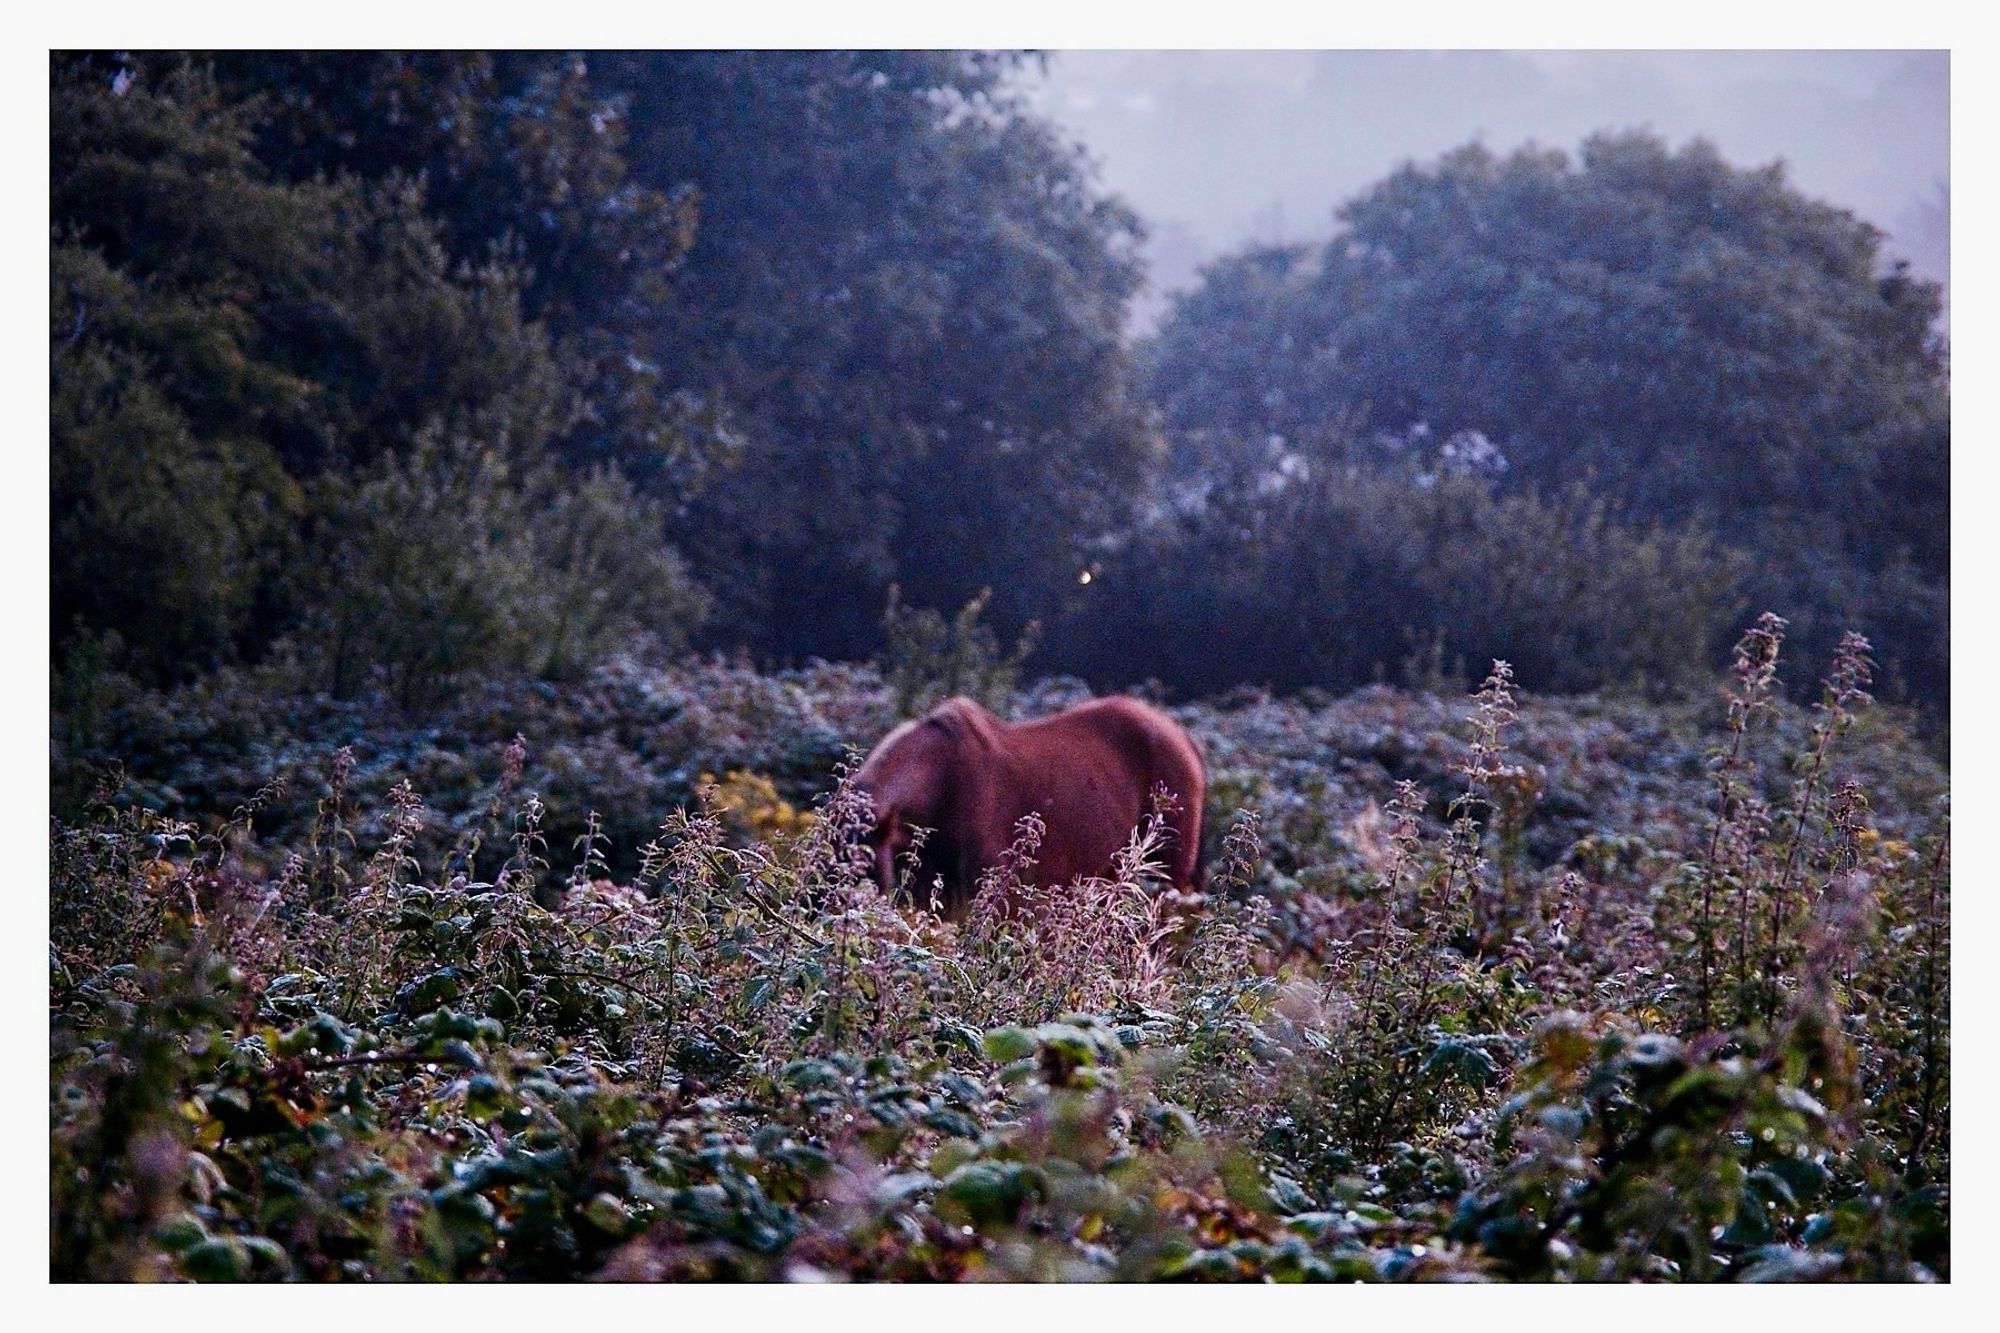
587,980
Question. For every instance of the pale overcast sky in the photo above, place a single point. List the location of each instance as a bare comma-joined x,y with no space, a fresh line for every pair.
1215,148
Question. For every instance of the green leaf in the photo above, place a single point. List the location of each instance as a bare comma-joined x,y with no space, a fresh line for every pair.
1005,1045
180,1233
1459,1060
987,1193
607,1212
484,1097
459,1053
218,1259
272,1253
1289,1196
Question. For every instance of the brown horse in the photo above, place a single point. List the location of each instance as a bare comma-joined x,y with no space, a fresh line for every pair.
969,778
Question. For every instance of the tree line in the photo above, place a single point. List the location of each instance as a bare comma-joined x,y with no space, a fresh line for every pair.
399,367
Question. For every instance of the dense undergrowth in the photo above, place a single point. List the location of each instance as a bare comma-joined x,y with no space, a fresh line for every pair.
562,982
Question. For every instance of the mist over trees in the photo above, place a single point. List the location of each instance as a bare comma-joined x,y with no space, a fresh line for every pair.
405,366
1695,344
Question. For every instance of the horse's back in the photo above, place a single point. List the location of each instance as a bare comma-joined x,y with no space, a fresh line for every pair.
1113,755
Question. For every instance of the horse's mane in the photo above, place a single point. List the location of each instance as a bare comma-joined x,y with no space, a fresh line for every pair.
888,742
962,719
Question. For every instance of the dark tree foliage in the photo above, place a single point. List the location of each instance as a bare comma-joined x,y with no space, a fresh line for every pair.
521,161
231,351
833,322
871,280
914,296
1699,343
1289,571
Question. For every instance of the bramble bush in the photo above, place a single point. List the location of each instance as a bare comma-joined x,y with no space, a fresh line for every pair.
1538,990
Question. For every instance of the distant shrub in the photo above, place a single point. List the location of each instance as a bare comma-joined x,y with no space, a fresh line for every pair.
1335,575
603,573
445,563
928,659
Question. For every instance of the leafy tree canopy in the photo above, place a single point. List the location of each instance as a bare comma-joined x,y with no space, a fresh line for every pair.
229,347
872,281
917,296
1704,340
1695,341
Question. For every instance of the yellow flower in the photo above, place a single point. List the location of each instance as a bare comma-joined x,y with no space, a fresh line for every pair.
750,804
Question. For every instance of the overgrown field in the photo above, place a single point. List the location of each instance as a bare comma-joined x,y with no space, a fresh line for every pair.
583,981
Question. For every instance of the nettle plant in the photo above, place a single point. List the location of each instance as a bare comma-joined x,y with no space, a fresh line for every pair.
1791,1130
